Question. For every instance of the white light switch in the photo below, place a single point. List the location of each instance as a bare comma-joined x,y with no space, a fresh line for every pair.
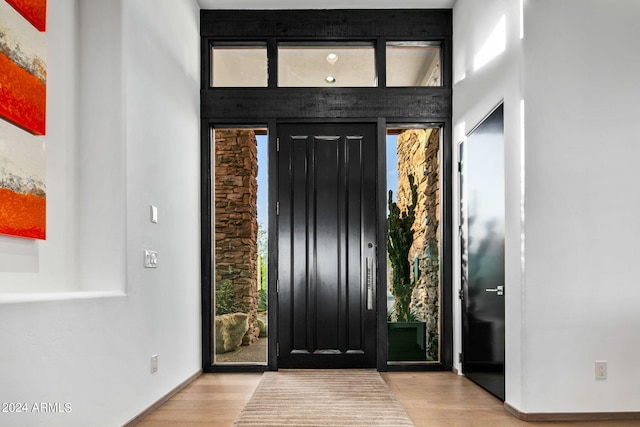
154,363
150,259
154,214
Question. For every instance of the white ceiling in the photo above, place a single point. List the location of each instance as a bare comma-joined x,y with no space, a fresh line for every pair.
326,4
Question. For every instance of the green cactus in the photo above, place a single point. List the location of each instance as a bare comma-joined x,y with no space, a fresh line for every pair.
399,241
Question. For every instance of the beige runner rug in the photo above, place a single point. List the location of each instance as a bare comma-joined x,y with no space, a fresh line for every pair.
322,398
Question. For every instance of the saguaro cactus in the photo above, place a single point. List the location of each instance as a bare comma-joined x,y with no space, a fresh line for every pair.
399,241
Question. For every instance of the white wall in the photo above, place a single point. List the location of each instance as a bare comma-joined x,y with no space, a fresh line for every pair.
123,133
573,301
102,125
582,289
476,92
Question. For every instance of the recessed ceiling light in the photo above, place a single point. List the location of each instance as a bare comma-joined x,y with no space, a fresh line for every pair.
332,58
330,79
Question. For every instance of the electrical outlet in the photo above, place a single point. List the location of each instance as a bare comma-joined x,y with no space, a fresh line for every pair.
154,363
601,369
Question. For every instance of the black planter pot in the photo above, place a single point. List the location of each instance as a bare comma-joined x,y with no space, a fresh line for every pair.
407,341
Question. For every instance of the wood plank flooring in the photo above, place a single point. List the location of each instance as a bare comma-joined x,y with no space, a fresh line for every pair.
438,399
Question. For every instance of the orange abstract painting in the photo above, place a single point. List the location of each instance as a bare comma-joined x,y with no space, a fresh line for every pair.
34,11
23,196
22,215
23,72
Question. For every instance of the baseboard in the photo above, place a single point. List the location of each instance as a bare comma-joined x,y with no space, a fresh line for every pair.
137,419
571,416
455,371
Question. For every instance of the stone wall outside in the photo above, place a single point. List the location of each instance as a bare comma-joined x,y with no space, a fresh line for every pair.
235,219
418,154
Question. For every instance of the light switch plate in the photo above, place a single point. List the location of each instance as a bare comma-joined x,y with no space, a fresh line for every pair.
150,259
154,363
154,214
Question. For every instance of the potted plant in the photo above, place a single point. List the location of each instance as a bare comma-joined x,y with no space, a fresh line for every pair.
406,334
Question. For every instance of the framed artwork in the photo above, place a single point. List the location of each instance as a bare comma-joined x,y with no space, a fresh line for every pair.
23,193
23,68
34,11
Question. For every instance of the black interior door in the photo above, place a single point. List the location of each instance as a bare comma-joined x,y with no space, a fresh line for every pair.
482,243
326,245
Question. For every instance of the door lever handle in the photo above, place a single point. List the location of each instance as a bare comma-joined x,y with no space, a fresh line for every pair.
498,289
369,278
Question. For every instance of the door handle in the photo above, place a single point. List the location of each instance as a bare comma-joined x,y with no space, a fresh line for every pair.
498,289
369,273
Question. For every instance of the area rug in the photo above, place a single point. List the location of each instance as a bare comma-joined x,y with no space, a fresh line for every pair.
322,398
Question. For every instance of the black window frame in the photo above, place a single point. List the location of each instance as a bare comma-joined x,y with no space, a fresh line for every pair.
238,106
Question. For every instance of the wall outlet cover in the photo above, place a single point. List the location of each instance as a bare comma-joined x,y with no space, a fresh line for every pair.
601,369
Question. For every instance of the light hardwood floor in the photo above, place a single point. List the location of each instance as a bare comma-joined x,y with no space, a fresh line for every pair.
430,399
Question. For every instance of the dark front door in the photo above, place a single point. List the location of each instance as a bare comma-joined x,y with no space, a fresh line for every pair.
326,245
482,245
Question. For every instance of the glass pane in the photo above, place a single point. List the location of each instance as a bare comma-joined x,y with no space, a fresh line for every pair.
240,246
239,66
413,64
327,66
413,245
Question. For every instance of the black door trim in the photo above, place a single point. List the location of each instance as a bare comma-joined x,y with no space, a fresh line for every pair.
381,105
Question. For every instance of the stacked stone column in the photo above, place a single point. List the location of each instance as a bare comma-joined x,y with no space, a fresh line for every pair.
235,219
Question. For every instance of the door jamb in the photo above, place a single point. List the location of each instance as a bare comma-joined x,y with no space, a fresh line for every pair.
224,105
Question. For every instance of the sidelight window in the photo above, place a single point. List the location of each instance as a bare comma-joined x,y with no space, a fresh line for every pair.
240,246
413,244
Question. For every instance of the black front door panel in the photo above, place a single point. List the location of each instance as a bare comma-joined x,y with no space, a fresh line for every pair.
326,245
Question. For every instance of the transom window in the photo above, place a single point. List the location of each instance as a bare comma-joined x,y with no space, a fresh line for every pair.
413,64
353,64
339,65
239,66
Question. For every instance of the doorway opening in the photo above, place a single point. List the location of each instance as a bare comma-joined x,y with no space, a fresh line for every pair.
414,284
482,244
240,246
248,71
